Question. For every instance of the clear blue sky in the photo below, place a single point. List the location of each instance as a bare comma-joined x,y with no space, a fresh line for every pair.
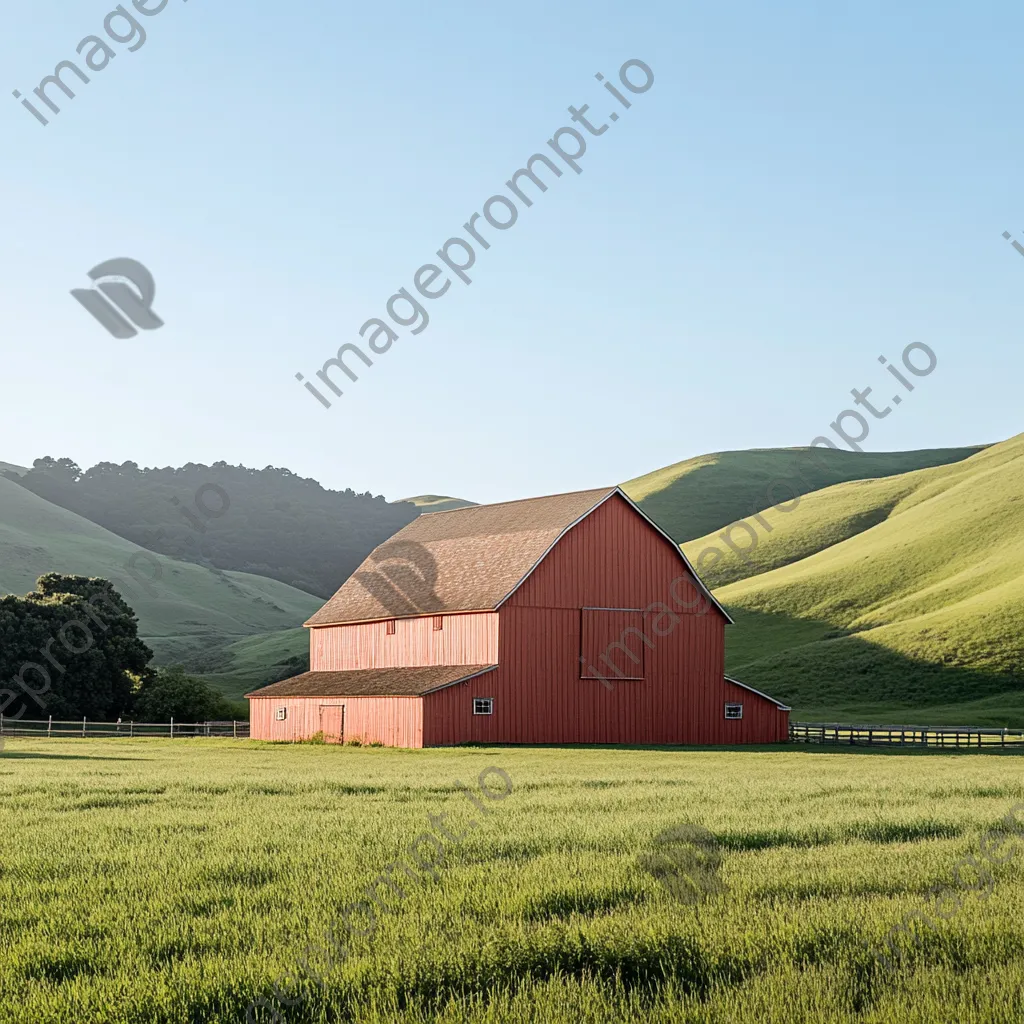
805,187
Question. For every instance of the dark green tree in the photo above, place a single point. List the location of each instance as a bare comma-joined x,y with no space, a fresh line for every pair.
173,694
70,649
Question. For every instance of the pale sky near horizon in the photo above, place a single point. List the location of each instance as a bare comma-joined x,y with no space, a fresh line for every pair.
805,187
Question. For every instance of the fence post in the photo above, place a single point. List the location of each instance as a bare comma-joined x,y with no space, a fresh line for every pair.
83,725
131,728
234,729
49,726
172,727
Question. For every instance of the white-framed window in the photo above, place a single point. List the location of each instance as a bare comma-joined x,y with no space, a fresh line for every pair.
483,705
281,714
733,710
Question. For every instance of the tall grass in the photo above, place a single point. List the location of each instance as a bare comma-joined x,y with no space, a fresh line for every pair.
168,881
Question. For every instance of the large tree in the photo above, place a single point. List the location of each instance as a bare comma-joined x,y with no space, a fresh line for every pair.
70,649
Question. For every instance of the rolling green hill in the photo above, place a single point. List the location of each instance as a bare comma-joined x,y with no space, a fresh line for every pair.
438,502
692,498
898,599
250,662
188,614
268,522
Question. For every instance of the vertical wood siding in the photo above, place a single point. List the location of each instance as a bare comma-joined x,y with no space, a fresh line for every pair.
603,628
613,559
393,721
466,639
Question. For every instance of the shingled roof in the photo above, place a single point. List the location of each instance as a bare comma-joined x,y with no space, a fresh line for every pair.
468,559
372,682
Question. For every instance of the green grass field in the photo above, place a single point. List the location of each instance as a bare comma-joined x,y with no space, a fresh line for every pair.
166,881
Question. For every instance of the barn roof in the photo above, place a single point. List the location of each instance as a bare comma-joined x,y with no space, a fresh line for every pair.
373,682
467,559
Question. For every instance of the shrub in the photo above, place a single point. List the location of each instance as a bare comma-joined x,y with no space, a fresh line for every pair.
172,694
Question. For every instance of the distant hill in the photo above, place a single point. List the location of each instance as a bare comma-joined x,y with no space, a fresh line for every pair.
692,498
8,467
270,521
189,613
252,661
438,502
898,599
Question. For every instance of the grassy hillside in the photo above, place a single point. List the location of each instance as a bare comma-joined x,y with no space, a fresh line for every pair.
819,521
268,521
908,604
189,613
692,498
248,663
438,502
8,467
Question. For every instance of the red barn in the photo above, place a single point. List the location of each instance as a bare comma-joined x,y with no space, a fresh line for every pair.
566,619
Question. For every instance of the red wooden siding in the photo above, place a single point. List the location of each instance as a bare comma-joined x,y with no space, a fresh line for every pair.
394,721
466,639
612,644
762,721
612,559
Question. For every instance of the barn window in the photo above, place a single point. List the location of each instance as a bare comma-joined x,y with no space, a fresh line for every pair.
733,710
483,705
613,644
282,714
390,627
438,622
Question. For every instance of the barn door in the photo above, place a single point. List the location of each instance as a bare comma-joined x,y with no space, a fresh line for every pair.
332,722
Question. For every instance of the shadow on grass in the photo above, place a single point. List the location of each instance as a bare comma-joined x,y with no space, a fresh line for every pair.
753,748
12,755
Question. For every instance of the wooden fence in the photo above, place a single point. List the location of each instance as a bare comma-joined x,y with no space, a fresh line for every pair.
127,730
951,737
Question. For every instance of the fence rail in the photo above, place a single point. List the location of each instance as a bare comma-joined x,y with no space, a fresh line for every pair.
128,730
951,737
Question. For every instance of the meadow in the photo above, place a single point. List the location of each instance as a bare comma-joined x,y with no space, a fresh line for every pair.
169,881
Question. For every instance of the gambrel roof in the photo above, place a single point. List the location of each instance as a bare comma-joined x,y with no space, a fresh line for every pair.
467,559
